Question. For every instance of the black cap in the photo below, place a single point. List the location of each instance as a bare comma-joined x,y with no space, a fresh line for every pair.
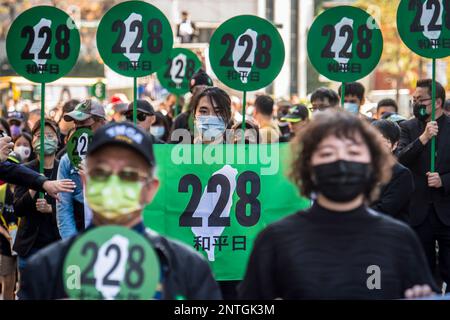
200,78
125,134
142,106
297,113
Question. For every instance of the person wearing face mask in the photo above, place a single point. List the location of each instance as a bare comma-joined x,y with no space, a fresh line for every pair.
71,212
329,250
23,147
160,129
145,117
38,227
15,121
430,202
212,115
120,181
395,196
354,98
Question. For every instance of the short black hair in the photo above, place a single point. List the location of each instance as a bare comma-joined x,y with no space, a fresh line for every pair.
427,83
389,129
447,105
353,89
325,93
387,103
264,105
70,105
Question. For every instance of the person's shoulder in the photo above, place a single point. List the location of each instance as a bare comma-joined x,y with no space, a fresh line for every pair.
407,124
285,225
173,248
390,225
51,256
400,170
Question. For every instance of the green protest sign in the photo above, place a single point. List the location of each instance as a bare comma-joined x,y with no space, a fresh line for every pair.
344,43
77,145
178,71
43,44
111,263
246,53
98,90
134,38
424,26
218,198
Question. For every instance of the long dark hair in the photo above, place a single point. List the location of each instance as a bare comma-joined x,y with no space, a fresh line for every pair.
222,100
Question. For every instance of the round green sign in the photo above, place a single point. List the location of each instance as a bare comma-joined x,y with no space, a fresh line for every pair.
424,26
43,44
178,71
246,53
134,38
77,145
344,43
111,263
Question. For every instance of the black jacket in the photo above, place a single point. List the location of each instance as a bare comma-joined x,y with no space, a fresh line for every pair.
20,175
36,229
417,158
186,272
395,196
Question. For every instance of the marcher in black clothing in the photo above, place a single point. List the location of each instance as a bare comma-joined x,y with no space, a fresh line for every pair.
396,194
339,248
38,227
430,202
119,156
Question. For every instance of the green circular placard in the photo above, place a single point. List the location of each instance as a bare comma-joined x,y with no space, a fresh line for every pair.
178,71
111,263
246,53
424,26
344,44
77,145
43,44
134,38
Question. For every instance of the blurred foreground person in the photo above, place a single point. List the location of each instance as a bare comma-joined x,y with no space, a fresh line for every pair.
339,248
120,182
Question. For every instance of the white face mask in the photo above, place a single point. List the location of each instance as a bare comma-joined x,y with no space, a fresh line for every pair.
157,131
209,127
23,152
351,107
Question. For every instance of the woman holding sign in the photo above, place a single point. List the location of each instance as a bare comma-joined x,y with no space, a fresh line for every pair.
38,226
338,249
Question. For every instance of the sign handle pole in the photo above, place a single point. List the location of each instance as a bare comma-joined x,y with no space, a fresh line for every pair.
134,100
433,113
42,133
342,94
244,103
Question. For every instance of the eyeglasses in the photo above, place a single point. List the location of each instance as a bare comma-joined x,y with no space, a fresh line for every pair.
140,116
127,174
48,136
320,107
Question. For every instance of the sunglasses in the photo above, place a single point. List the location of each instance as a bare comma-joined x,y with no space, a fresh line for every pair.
127,174
140,116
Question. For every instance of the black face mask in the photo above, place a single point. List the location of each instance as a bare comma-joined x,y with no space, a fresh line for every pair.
420,112
342,180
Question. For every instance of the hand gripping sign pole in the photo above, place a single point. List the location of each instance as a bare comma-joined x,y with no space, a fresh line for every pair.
134,39
246,54
424,27
42,45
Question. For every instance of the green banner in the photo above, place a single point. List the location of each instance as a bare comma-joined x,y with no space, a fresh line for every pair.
218,198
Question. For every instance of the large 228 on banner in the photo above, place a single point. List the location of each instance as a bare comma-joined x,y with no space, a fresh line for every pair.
217,199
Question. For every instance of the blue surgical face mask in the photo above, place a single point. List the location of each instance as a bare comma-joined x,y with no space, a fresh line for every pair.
351,107
157,131
210,127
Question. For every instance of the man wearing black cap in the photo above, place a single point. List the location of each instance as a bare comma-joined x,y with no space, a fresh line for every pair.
120,161
71,213
296,117
145,116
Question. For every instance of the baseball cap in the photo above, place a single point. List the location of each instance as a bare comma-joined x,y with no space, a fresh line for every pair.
85,110
15,116
142,106
200,78
297,113
124,134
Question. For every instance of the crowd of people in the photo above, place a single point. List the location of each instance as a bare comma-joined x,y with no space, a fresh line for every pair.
375,200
